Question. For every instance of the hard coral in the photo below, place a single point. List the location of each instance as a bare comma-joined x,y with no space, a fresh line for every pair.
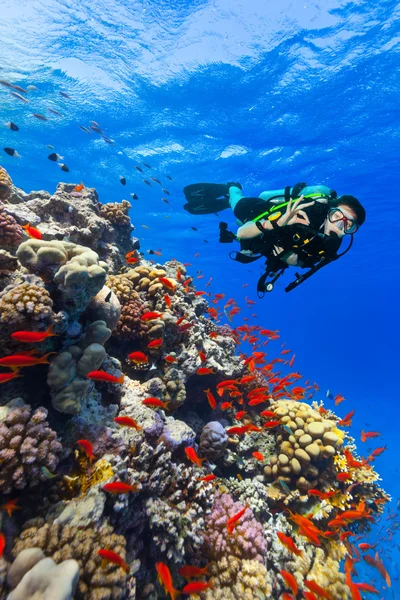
130,325
26,445
213,440
247,540
81,544
235,578
106,307
25,301
11,234
5,184
121,286
117,213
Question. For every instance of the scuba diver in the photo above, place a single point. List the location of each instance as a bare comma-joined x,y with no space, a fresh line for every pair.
300,226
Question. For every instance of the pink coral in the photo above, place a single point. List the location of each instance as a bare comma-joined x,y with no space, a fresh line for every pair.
246,541
26,444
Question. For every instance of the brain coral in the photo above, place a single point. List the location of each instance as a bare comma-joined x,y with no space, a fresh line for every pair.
26,445
247,541
21,301
11,234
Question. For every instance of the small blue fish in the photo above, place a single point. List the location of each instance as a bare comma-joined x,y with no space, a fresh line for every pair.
329,395
287,428
284,486
48,473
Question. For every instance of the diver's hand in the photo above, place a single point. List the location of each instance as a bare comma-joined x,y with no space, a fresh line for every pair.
294,213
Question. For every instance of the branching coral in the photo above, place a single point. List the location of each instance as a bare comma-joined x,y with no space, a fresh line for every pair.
25,301
246,542
26,445
81,544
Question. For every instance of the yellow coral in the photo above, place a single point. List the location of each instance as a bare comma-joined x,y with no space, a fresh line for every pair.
235,578
102,471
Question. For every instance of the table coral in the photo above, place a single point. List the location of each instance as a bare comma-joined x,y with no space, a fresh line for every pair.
247,540
23,301
81,544
26,445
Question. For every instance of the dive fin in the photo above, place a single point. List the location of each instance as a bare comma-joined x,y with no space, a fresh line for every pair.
206,198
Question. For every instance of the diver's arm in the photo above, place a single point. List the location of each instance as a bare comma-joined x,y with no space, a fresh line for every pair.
250,230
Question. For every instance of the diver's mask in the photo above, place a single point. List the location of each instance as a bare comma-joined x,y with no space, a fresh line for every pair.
346,224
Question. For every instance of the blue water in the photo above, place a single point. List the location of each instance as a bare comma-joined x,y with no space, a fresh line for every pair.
266,93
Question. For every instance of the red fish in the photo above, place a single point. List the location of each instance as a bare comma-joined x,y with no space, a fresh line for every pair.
204,371
343,476
317,589
179,321
132,260
25,360
150,316
364,547
208,478
167,300
138,358
289,543
378,451
155,343
365,587
130,254
185,327
239,415
167,283
10,506
2,543
226,405
258,456
233,521
126,421
32,337
196,587
322,495
103,376
202,356
271,424
119,487
291,361
191,572
200,293
165,578
247,379
290,581
238,430
267,413
338,399
192,456
4,377
211,400
32,231
366,435
87,448
155,402
114,558
309,596
78,188
170,359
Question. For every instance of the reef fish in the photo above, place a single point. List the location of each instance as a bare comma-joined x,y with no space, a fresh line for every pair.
32,231
211,400
138,357
2,543
191,571
155,343
192,456
126,421
119,487
12,126
10,506
150,316
366,435
165,578
290,581
112,557
204,371
258,456
233,521
12,152
317,589
208,478
87,448
103,376
25,360
156,403
4,377
289,543
196,587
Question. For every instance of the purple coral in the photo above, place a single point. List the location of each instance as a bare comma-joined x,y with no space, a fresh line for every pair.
11,234
246,541
26,445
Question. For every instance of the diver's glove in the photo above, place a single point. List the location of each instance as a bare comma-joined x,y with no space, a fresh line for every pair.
225,236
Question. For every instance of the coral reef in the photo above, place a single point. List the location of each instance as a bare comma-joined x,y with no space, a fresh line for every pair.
146,465
27,444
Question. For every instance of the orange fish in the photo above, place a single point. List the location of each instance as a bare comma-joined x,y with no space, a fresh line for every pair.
32,231
202,356
208,478
170,359
103,376
233,521
167,300
87,448
338,399
78,188
138,358
239,415
114,558
2,543
10,506
317,589
150,316
258,456
291,361
364,547
343,476
290,581
226,405
25,360
271,424
204,371
126,421
132,260
247,379
33,336
289,543
165,578
155,343
211,400
366,435
119,487
192,456
4,377
156,402
200,293
378,451
196,587
167,283
130,254
267,413
322,495
191,572
365,587
237,430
